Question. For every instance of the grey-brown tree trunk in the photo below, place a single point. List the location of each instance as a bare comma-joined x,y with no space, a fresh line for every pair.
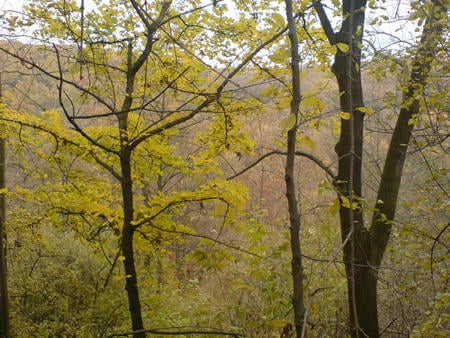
128,230
4,300
126,245
361,278
294,212
363,249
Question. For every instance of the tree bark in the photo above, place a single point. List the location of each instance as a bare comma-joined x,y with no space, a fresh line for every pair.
294,213
126,245
361,280
4,304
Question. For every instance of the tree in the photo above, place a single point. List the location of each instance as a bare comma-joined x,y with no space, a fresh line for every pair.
364,247
294,213
4,320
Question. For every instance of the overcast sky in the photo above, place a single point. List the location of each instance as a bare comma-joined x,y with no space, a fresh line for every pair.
400,29
10,4
17,4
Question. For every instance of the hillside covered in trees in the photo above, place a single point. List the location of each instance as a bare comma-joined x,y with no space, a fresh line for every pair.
226,168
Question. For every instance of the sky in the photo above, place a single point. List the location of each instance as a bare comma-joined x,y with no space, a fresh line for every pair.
10,4
17,4
394,29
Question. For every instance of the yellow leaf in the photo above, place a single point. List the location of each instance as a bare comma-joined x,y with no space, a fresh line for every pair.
279,19
277,323
344,115
366,110
336,127
306,140
288,122
315,308
343,47
334,207
333,49
345,202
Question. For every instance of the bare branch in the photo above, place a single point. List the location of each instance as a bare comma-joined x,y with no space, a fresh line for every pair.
326,24
311,157
215,240
435,241
31,64
180,15
69,117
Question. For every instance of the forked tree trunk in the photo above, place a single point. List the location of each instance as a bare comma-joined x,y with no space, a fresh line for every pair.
363,249
361,279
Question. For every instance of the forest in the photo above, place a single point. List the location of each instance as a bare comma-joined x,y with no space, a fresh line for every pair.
224,168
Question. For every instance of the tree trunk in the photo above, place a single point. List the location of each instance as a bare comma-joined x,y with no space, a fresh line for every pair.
131,284
4,304
386,205
361,279
126,244
363,250
294,213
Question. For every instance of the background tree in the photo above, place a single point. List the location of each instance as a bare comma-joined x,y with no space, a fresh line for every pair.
4,321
